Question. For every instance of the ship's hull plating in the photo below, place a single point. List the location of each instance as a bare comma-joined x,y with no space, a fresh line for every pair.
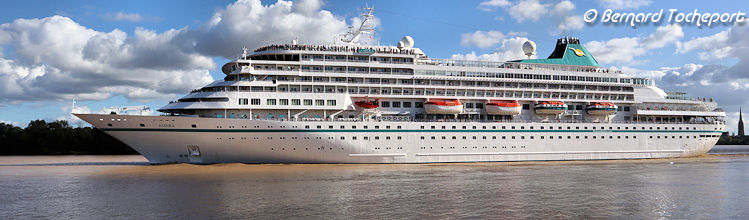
164,139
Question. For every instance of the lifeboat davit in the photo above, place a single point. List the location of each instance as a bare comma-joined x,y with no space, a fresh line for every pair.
601,108
550,107
503,108
368,104
443,107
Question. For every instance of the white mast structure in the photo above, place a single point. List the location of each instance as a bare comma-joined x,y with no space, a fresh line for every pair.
366,27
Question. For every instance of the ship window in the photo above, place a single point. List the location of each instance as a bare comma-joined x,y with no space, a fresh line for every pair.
399,137
331,102
406,104
243,101
387,138
319,102
295,102
504,137
308,102
319,126
353,127
365,127
551,137
192,125
443,137
385,104
464,127
270,102
455,137
143,125
474,137
255,102
396,104
353,138
513,137
542,137
526,106
422,137
464,137
343,138
330,126
433,137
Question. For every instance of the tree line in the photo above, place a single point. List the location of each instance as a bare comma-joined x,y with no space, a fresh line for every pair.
58,138
733,140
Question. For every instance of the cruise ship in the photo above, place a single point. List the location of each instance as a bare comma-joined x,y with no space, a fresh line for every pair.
354,103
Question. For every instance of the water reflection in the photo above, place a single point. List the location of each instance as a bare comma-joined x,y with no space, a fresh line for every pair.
711,186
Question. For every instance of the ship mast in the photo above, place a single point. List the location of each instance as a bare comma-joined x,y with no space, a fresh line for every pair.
366,27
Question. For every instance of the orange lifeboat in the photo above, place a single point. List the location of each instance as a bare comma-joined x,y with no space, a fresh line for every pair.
368,104
602,108
443,107
550,107
503,108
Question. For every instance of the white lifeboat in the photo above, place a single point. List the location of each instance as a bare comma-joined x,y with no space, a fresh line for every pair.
503,108
443,107
601,108
550,107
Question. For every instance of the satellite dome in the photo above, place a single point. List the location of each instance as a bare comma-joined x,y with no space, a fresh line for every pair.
529,48
407,41
400,44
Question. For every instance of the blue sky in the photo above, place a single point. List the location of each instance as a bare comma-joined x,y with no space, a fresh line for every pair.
113,53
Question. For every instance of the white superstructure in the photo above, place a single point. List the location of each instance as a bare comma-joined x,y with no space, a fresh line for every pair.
349,103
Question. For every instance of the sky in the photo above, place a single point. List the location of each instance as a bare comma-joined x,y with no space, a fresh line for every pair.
125,53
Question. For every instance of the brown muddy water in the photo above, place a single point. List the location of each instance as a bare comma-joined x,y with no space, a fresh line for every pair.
105,187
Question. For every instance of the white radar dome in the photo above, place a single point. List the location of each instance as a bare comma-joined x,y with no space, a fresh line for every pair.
529,48
408,42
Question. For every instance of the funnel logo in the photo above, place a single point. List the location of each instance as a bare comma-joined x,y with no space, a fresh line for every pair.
578,52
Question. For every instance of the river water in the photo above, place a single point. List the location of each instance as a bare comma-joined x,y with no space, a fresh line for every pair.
105,187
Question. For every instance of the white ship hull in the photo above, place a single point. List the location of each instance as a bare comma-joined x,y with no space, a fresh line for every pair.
168,139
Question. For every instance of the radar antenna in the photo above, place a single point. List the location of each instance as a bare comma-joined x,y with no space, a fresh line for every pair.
367,27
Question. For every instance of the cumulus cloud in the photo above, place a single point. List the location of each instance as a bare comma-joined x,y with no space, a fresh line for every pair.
132,17
567,19
481,39
14,123
623,4
531,10
511,49
56,58
492,5
624,50
252,24
562,14
731,43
